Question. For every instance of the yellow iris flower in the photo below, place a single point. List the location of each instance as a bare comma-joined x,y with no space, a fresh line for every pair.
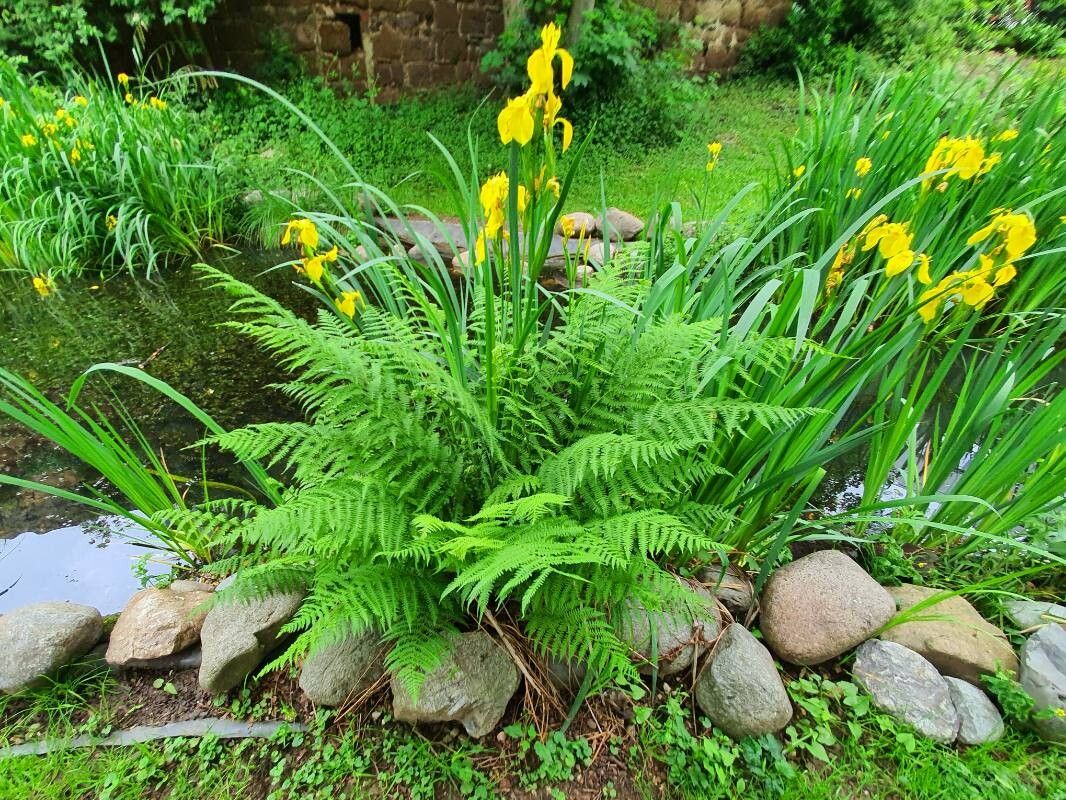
28,140
552,106
863,166
893,243
44,285
81,100
798,171
1016,231
304,230
539,65
1006,136
156,103
515,121
923,269
347,303
964,157
123,79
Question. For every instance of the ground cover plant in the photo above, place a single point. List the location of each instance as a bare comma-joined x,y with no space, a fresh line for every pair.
100,176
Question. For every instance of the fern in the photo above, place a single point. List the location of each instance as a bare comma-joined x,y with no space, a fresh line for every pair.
412,511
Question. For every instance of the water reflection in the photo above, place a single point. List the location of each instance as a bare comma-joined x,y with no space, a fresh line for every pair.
90,563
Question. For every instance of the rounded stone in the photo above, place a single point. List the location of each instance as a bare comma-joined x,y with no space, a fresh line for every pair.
472,685
157,623
669,640
908,687
820,606
951,634
979,719
1043,676
38,639
1032,613
342,670
740,688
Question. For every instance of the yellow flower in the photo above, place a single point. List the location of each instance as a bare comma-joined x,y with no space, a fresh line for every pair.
304,230
975,290
567,225
539,65
1006,136
923,269
348,302
554,186
963,157
854,193
798,171
81,100
929,303
479,248
75,155
893,243
129,98
715,149
989,162
28,140
44,285
863,166
49,129
156,103
515,121
123,79
552,106
1004,274
111,221
493,197
61,114
314,267
1016,230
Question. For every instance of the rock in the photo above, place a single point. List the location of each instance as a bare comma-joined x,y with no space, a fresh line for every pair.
253,197
1043,676
342,670
566,676
820,606
677,637
740,689
731,586
621,225
980,720
585,225
157,623
236,635
598,254
908,687
38,639
1032,614
472,685
952,635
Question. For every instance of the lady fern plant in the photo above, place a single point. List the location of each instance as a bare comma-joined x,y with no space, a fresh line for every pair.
410,512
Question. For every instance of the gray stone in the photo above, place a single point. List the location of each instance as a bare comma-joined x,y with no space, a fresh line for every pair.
190,586
186,659
598,253
908,687
38,639
1043,676
157,623
622,225
586,226
740,688
236,635
566,676
1032,613
670,639
472,685
980,720
342,670
731,586
820,606
951,634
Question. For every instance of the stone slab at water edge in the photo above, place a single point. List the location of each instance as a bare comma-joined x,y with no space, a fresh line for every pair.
472,685
740,688
908,687
157,623
38,639
951,634
821,606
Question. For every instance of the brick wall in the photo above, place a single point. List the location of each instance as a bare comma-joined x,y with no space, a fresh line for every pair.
394,44
721,26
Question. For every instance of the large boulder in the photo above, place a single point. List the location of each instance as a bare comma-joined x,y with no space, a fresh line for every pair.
740,688
1043,676
951,634
236,635
731,586
343,669
472,685
1032,613
669,640
908,687
157,623
979,719
38,639
820,606
621,225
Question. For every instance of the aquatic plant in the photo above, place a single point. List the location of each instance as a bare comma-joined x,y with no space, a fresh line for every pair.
100,177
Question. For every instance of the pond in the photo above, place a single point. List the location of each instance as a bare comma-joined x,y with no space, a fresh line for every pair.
172,328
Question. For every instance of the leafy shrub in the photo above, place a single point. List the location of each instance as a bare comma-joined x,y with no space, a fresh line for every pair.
1037,28
47,34
100,177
